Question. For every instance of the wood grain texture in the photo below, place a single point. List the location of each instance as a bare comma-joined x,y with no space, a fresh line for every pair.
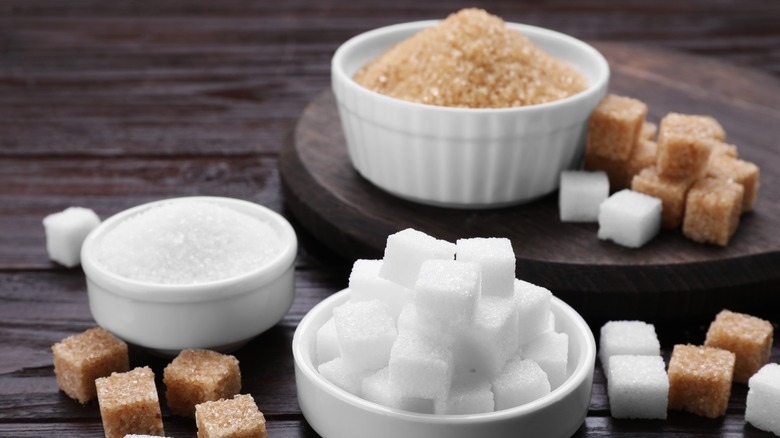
112,104
671,276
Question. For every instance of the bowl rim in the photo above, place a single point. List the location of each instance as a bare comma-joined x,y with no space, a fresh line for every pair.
161,292
533,32
578,375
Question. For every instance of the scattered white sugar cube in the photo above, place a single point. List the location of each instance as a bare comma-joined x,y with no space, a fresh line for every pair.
470,393
343,375
763,399
497,259
65,233
491,339
638,387
551,351
521,381
406,251
421,365
327,342
533,309
627,337
447,291
580,195
366,284
629,218
366,333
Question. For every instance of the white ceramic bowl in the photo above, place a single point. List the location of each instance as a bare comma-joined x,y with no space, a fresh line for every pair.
220,315
335,413
462,157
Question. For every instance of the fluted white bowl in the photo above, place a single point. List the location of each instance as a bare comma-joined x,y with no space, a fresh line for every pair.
335,413
464,157
219,315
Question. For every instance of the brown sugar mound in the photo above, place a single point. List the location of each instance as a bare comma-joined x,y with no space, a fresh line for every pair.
470,60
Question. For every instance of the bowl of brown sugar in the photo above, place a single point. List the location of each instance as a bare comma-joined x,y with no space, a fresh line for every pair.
468,112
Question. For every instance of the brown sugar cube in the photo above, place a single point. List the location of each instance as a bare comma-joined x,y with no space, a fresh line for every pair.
620,173
616,170
741,172
685,143
642,157
614,127
712,210
649,131
720,149
671,192
82,358
748,337
233,418
700,380
129,404
197,376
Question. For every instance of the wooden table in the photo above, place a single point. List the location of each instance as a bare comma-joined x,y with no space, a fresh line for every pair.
108,105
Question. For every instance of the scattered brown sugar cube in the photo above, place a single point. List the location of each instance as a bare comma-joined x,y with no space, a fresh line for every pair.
649,131
712,210
748,337
614,126
620,173
700,380
720,149
616,170
742,172
671,192
233,418
197,376
685,143
82,358
129,404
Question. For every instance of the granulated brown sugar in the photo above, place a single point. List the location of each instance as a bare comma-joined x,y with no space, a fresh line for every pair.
471,60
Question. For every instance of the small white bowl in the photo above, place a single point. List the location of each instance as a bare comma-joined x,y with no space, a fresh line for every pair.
335,413
464,157
220,315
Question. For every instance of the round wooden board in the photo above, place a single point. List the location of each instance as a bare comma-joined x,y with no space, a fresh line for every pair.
670,277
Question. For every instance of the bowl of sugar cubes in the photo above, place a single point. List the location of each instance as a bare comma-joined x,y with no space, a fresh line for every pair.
191,272
439,339
466,112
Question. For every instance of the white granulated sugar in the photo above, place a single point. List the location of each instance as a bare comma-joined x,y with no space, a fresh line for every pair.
188,242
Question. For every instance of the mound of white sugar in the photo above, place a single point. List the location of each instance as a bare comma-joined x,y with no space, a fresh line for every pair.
442,328
187,242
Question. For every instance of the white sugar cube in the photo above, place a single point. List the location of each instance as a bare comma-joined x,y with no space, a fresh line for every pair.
580,195
491,339
521,381
411,320
470,393
366,284
327,342
629,218
448,291
421,365
366,333
377,388
343,375
550,326
638,387
551,351
763,399
65,233
406,251
627,337
533,310
497,259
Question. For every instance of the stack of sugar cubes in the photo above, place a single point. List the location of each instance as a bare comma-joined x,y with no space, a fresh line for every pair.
637,383
443,328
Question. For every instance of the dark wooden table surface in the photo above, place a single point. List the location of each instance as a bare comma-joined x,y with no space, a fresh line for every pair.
108,105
